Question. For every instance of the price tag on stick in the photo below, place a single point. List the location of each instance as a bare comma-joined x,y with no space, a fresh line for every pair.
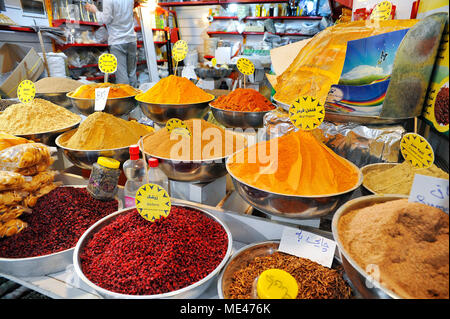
306,113
101,96
26,91
416,150
382,11
152,202
179,51
107,63
246,67
178,126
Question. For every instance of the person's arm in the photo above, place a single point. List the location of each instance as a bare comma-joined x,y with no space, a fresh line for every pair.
105,16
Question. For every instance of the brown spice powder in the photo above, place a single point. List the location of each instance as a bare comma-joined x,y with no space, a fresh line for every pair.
314,280
408,242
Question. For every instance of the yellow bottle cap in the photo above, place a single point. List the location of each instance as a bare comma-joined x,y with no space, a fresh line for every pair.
276,284
108,162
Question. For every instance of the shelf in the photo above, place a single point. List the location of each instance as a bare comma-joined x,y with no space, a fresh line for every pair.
57,23
161,61
94,65
137,29
16,28
273,18
254,33
100,77
212,3
159,42
76,45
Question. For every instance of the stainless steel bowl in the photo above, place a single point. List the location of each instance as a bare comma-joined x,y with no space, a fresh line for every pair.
189,292
192,171
208,73
292,206
40,265
117,106
60,99
242,257
372,167
48,138
283,105
364,283
86,158
238,119
161,113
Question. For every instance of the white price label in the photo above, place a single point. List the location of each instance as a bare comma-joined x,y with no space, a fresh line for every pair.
304,244
101,95
431,191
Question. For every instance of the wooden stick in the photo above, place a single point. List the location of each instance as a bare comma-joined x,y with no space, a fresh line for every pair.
415,124
106,78
43,52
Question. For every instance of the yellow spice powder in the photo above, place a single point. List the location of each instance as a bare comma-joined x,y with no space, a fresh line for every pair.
105,131
398,179
38,116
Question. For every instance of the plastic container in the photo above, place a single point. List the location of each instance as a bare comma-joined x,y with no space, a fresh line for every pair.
156,175
104,177
134,170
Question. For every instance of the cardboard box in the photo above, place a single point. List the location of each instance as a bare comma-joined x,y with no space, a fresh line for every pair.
25,64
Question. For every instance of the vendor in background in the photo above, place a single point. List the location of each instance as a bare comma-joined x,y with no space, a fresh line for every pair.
117,15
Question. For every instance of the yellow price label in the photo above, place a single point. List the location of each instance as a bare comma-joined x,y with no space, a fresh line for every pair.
179,50
306,113
26,91
382,11
214,61
107,63
152,202
276,284
245,66
416,150
177,126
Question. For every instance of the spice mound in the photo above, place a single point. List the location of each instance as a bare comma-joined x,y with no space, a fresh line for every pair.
136,257
399,178
407,242
38,116
294,164
101,131
207,141
56,85
56,223
174,90
87,91
314,280
243,100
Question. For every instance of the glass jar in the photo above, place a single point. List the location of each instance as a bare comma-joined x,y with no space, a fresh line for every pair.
104,178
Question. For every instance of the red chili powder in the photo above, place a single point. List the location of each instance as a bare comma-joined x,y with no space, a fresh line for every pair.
243,100
56,223
136,257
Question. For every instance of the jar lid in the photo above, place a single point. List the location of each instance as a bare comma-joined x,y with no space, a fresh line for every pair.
134,149
153,162
108,162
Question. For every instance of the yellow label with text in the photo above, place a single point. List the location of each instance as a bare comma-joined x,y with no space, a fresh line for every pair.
382,11
26,91
179,50
276,284
245,66
214,61
152,202
306,113
416,150
107,63
177,126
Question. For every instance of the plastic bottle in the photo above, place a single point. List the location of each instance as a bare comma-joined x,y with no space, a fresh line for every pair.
156,175
134,170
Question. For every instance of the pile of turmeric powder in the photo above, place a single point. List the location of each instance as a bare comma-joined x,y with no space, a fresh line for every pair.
87,91
206,141
174,90
101,131
294,164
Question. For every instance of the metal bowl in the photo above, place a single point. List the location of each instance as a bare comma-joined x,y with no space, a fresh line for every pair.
189,292
371,167
242,257
40,265
356,274
48,138
208,73
241,119
292,206
60,99
117,106
161,113
192,171
283,105
86,158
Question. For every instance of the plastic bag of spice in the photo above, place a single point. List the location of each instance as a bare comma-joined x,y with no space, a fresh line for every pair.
12,227
10,180
32,198
38,181
12,197
8,140
8,213
27,159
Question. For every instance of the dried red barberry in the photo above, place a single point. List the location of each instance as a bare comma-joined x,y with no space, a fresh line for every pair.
137,257
56,223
